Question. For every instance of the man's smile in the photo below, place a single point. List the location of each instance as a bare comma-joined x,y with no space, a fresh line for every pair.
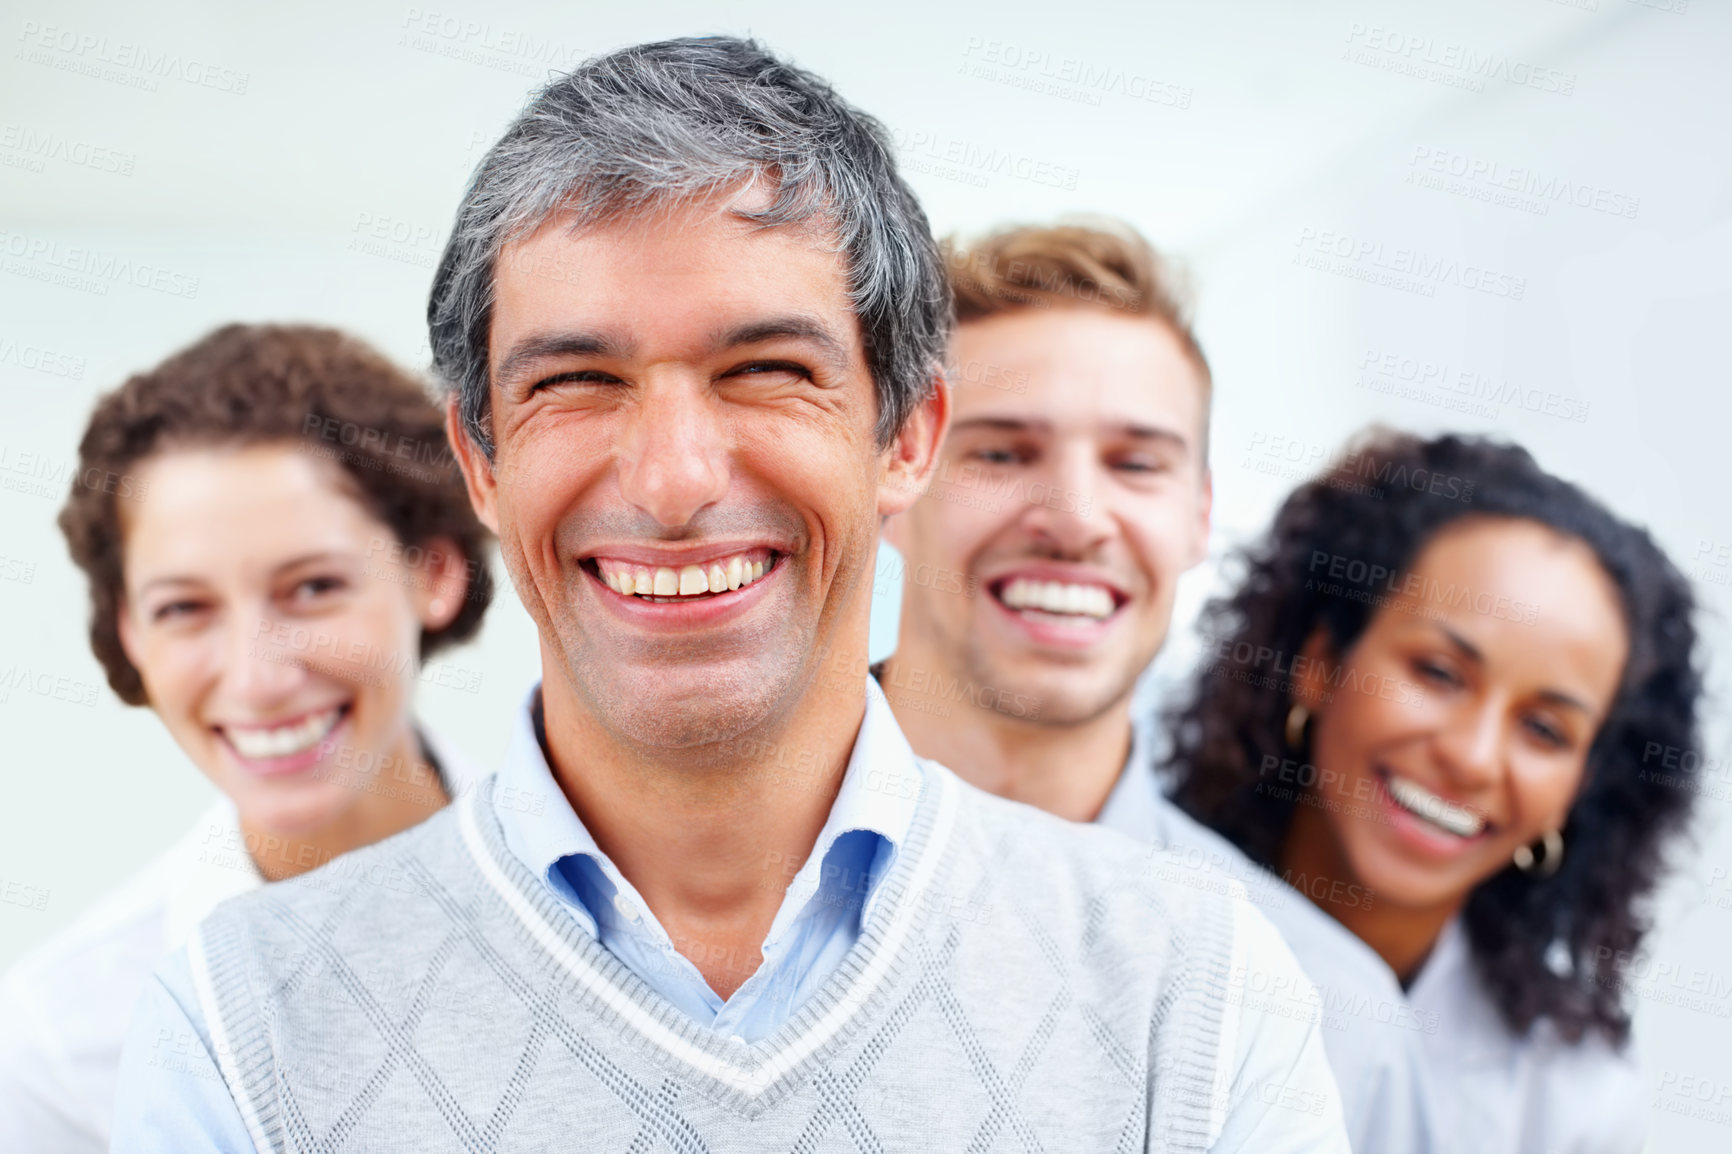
692,578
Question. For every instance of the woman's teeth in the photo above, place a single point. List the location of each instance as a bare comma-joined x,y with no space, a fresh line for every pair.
720,576
1058,597
283,740
1422,803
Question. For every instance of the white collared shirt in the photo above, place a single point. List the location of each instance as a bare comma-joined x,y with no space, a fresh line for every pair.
65,1006
1498,1092
1371,1034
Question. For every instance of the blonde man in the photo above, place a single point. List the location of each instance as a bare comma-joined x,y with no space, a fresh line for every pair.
1040,568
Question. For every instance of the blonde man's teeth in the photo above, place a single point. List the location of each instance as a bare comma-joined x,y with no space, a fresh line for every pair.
720,576
1422,803
1060,597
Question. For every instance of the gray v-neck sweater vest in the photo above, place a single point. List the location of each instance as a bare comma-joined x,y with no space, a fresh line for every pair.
1022,984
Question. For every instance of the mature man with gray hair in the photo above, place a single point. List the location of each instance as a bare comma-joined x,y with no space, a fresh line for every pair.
692,321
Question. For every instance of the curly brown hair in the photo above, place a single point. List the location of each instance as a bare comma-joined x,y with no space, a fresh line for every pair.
1545,947
317,389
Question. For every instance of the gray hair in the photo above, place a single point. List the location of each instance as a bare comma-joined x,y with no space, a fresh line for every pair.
673,121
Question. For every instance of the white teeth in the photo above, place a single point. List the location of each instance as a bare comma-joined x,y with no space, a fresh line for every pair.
1059,597
1422,803
285,740
719,576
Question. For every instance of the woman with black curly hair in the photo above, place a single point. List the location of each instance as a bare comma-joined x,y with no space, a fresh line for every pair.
1431,707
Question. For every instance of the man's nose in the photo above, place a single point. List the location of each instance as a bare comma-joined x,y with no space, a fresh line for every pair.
1064,507
673,450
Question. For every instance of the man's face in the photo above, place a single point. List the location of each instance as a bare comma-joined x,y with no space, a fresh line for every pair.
1070,496
685,484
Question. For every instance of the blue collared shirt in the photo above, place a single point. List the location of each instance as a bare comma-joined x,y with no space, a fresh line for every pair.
172,1099
827,901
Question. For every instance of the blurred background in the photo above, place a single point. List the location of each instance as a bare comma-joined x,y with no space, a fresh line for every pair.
1503,216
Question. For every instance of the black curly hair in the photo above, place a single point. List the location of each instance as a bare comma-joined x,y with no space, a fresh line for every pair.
1541,945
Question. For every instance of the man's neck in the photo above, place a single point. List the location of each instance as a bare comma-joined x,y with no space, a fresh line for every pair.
1067,770
710,838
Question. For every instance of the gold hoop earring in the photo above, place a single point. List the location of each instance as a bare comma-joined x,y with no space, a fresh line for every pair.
1297,718
1546,863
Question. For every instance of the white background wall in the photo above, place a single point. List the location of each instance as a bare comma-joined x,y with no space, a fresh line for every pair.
257,149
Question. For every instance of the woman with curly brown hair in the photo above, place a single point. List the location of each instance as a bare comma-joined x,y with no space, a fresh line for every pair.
1433,707
280,538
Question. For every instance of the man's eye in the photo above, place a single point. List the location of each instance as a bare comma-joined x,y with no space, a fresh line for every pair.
576,376
1140,465
997,456
771,368
316,587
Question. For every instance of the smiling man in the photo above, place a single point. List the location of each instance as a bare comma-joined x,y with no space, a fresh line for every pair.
1040,572
1072,494
692,322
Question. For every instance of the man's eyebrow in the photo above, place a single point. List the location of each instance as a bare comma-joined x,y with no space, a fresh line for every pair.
571,344
1010,424
800,328
1002,424
1151,433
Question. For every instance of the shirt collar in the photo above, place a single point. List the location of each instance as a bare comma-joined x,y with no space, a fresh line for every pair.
210,865
1134,805
541,829
879,793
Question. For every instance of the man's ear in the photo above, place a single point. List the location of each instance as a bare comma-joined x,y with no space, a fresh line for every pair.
894,531
477,469
907,465
1205,517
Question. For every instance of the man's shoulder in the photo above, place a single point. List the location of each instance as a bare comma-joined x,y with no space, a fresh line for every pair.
374,877
1080,864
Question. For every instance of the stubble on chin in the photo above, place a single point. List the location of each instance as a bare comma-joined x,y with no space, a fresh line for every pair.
1059,696
664,706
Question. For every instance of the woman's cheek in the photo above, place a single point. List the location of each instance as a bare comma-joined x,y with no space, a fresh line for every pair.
1545,792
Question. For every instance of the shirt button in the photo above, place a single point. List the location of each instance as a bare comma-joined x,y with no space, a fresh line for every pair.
626,909
737,1040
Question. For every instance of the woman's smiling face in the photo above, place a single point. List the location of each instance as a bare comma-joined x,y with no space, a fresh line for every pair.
1516,637
276,628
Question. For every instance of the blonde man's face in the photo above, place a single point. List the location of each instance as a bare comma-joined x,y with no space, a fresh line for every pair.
1072,493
